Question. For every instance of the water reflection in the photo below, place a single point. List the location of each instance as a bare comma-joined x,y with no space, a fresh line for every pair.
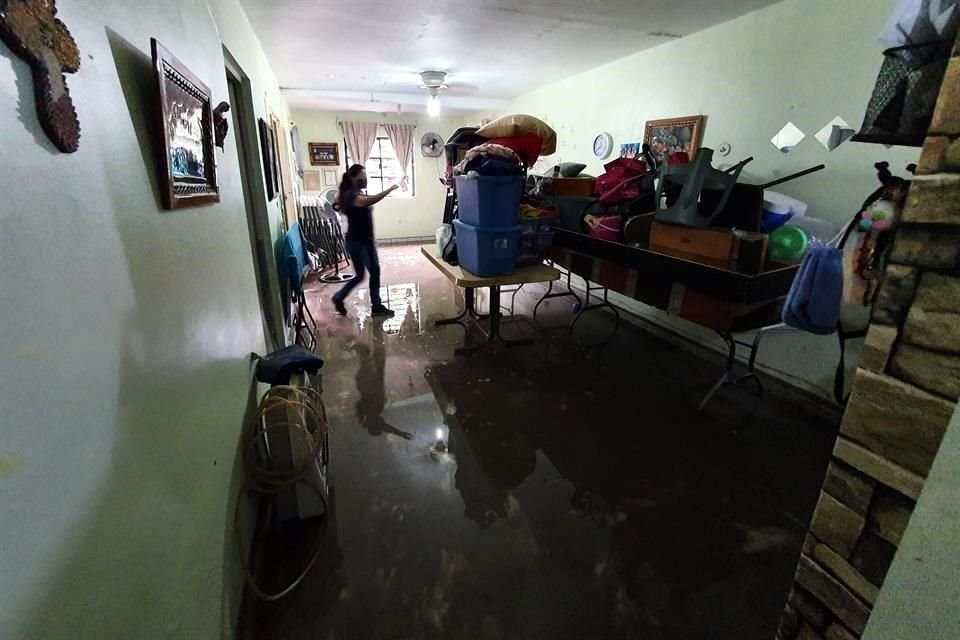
404,300
371,385
664,530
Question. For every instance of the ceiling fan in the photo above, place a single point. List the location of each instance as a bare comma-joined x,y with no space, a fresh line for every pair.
435,83
461,83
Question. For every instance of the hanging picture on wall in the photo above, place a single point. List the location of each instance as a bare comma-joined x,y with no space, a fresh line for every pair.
330,177
311,180
324,154
672,136
275,155
631,150
32,31
188,168
187,165
268,157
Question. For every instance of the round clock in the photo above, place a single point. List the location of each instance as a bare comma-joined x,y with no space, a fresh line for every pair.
602,145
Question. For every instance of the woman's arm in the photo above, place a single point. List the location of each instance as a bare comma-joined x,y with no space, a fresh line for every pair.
368,201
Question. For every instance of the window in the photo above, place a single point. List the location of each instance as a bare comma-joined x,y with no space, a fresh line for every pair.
383,168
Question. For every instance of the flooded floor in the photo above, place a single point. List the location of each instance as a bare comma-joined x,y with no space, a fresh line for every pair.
580,495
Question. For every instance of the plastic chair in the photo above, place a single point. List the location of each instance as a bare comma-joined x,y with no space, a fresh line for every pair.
695,177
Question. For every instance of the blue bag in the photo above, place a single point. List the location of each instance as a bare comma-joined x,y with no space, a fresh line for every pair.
813,303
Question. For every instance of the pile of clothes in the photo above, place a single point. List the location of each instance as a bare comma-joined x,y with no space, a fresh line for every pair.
490,160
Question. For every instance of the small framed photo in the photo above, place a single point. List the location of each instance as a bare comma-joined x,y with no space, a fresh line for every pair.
324,154
311,180
187,164
329,177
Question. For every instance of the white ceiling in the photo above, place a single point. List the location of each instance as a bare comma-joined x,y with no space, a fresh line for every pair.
352,54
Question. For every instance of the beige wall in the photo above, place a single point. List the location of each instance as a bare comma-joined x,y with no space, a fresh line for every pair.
126,331
803,61
395,217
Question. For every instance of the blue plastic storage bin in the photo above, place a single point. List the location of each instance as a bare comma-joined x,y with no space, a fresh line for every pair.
487,251
489,201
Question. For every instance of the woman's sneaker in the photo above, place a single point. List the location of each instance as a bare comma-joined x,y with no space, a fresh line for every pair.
338,305
383,311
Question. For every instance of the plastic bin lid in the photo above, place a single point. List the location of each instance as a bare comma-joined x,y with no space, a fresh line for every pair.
512,229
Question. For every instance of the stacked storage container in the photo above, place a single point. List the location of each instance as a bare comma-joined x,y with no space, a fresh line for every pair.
488,232
536,235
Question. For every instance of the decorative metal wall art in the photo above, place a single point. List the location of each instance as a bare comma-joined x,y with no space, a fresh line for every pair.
33,32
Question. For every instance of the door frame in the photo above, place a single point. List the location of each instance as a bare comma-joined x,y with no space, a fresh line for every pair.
255,201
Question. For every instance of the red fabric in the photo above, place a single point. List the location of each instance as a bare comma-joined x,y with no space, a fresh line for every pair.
680,157
617,183
526,146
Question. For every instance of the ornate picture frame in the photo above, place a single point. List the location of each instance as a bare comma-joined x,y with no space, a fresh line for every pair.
188,167
674,135
324,154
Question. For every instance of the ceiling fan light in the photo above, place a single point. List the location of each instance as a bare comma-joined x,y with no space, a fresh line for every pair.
433,106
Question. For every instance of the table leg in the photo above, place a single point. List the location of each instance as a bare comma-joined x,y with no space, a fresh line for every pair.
495,322
551,294
729,377
493,335
469,308
589,306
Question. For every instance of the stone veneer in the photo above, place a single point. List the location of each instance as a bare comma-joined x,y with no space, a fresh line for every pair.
903,395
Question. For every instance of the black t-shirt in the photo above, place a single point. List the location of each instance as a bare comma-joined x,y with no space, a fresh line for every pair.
360,219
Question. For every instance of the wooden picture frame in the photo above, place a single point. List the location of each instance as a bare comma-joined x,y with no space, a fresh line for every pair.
324,154
674,135
188,166
269,158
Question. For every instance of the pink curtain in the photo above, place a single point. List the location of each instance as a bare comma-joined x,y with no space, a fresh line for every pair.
401,137
360,137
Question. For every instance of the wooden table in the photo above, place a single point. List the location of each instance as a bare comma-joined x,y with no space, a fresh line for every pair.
468,282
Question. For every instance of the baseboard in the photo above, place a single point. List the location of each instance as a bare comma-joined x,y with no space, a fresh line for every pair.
406,240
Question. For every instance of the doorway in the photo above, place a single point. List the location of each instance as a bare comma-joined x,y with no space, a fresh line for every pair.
251,177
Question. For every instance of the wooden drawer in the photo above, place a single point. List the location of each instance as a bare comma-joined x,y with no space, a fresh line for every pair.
571,187
718,246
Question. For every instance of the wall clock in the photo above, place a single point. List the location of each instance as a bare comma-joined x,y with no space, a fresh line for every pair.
602,145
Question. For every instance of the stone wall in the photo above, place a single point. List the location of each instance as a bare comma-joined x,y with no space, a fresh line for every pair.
903,396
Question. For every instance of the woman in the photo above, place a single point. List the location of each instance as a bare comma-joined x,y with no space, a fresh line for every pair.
358,207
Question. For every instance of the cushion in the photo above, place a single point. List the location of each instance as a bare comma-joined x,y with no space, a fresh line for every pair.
567,169
520,124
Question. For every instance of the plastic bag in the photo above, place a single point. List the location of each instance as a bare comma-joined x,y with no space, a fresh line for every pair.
443,235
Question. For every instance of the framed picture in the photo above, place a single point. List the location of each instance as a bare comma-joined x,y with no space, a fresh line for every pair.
275,152
311,180
674,135
631,150
329,177
188,166
324,154
269,158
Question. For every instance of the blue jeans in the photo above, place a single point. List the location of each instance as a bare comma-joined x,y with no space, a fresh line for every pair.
363,253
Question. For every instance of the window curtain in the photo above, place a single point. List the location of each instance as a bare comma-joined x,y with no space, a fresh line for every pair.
401,137
360,137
